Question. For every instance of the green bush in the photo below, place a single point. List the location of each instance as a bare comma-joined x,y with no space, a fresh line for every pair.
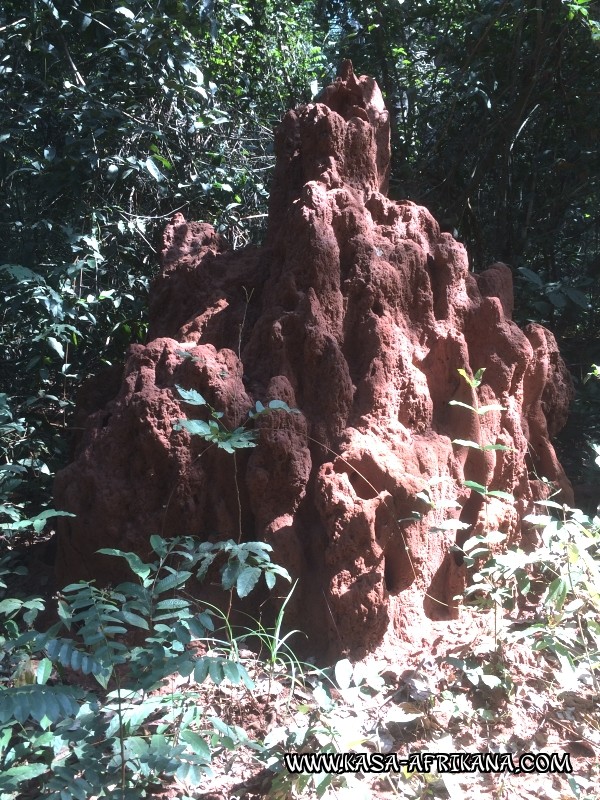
138,726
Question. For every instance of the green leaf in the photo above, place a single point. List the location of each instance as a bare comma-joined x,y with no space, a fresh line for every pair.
134,619
154,170
13,777
236,10
495,537
492,681
172,605
215,670
246,679
556,594
557,298
475,380
201,669
194,426
197,743
231,670
159,545
126,12
473,542
467,443
191,396
270,579
462,405
44,671
247,580
531,276
501,495
490,407
451,525
56,346
548,504
135,562
478,487
237,439
10,605
577,297
343,671
281,405
172,581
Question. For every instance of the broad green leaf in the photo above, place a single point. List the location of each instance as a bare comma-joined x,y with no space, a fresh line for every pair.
247,580
557,298
201,669
531,276
194,426
135,562
270,579
172,604
13,777
246,679
229,575
490,407
231,670
10,605
236,10
215,670
191,396
44,671
172,581
196,742
159,545
462,405
236,439
472,542
577,297
134,619
46,706
154,170
56,346
343,671
548,504
466,443
556,593
451,525
126,12
282,406
478,487
501,495
492,681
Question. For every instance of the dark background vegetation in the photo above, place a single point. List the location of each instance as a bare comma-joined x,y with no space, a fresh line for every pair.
113,115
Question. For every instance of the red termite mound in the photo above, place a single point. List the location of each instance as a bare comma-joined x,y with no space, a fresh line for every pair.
358,312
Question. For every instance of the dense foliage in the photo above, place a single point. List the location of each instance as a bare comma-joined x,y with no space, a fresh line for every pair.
114,115
495,128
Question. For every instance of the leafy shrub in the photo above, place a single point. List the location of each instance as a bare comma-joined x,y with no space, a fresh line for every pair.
144,722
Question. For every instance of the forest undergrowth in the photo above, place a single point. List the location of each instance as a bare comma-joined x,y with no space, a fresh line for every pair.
140,690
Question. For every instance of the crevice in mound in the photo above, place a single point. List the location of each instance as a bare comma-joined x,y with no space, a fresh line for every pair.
469,515
399,572
439,603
